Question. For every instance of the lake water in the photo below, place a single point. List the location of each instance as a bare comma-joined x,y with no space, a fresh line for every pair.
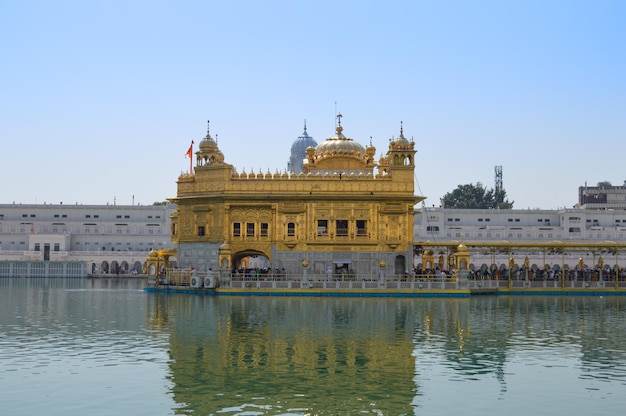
106,347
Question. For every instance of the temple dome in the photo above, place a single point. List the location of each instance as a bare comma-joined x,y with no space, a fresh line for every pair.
401,141
339,144
339,154
298,151
207,144
209,153
302,142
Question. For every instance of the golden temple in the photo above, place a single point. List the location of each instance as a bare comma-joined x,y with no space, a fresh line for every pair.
338,212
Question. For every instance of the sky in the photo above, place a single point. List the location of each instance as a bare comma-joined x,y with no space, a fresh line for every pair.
100,100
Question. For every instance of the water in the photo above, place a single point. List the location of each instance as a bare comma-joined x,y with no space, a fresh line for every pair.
104,347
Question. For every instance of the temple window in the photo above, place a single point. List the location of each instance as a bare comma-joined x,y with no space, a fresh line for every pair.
237,229
264,229
291,229
322,228
201,231
249,229
341,228
361,228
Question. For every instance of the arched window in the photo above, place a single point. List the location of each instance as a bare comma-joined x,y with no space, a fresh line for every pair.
291,229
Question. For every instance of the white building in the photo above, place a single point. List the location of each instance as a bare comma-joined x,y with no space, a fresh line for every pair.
572,225
107,238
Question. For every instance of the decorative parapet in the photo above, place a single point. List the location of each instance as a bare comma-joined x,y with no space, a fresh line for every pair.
186,177
323,175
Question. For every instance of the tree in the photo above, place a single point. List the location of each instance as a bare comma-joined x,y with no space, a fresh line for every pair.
472,196
500,200
604,184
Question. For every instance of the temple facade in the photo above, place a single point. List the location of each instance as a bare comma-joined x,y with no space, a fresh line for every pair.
340,211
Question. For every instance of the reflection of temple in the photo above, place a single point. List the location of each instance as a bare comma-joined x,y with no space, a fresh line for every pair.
335,355
345,210
341,353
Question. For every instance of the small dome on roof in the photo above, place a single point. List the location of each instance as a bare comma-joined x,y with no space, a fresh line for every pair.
401,140
208,144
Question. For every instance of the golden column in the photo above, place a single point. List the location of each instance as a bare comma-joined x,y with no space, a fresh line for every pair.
600,265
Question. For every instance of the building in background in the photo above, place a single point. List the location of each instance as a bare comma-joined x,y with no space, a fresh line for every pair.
107,239
602,197
574,225
550,239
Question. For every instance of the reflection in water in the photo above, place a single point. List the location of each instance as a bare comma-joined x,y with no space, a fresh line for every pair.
79,346
289,354
346,355
103,346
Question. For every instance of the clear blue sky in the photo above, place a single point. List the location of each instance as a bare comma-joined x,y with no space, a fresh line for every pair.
99,100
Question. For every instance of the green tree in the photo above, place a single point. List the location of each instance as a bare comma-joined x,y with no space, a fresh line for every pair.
472,196
500,200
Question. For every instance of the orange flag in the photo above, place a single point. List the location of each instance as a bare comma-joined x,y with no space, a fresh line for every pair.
190,151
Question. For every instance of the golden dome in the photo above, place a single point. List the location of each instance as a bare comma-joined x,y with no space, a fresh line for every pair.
208,144
339,154
401,142
209,153
339,144
461,248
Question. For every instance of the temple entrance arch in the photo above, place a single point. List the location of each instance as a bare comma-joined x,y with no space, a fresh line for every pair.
251,260
400,266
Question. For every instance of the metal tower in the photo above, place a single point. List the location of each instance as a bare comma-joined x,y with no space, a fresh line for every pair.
498,188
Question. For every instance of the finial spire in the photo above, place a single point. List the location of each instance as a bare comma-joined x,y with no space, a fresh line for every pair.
208,122
339,119
401,128
305,124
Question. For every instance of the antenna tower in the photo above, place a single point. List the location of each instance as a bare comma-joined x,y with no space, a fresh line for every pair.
498,180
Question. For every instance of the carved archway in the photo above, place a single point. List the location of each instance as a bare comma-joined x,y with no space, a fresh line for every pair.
250,259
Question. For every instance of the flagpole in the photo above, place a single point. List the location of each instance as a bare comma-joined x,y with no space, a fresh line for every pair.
190,155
